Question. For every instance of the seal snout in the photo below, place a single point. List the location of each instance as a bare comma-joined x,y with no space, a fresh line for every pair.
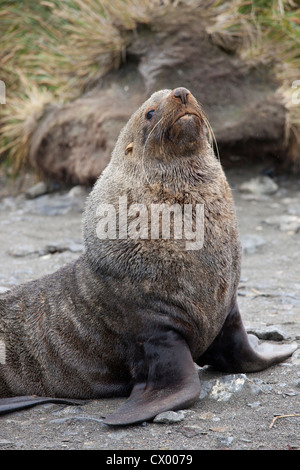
181,94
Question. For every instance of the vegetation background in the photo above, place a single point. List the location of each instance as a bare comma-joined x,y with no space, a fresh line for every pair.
55,51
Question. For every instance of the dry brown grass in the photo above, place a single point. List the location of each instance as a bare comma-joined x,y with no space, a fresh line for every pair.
53,50
266,32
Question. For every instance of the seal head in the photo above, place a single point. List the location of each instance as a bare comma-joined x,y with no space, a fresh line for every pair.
175,121
169,125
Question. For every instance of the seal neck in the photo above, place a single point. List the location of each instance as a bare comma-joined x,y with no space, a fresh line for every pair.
178,173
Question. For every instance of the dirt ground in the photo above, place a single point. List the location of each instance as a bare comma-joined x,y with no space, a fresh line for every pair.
37,236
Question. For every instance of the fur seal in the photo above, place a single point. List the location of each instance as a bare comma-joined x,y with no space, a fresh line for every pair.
135,312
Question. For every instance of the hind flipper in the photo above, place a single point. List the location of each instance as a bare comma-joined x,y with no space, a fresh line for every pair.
234,350
8,405
170,381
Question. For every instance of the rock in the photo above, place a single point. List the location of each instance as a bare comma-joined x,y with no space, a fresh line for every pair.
261,185
271,333
255,404
37,190
206,415
228,385
59,247
206,387
21,251
3,289
54,204
257,386
85,132
117,435
191,431
169,417
222,388
294,210
285,223
78,191
251,243
224,441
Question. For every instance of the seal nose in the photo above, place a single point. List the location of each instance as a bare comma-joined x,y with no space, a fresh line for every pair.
182,94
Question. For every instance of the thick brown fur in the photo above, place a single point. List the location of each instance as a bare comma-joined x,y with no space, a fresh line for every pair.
105,325
200,283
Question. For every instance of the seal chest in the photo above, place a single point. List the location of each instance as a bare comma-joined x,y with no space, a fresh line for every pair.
155,290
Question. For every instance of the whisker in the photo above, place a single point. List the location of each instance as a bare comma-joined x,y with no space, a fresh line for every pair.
144,149
212,137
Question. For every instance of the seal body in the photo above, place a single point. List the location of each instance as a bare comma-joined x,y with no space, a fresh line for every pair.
138,308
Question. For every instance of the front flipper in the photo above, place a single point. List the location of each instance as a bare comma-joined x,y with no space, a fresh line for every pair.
170,381
8,405
234,350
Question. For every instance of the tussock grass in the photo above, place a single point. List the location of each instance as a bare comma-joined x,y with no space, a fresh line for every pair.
52,50
267,32
19,120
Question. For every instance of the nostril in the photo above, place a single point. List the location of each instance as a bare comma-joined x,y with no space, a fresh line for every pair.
181,93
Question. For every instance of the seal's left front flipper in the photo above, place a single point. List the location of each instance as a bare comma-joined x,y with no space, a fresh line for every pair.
11,404
170,382
234,350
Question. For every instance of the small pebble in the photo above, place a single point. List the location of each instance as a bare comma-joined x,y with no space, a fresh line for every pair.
169,417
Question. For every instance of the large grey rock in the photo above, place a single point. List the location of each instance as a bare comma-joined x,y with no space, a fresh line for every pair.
262,185
73,141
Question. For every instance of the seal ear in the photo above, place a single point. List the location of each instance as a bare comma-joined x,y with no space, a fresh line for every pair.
129,148
170,381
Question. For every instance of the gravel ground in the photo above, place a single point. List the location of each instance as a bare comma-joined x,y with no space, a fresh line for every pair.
257,411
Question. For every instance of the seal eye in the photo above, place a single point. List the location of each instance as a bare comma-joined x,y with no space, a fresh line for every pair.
149,114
